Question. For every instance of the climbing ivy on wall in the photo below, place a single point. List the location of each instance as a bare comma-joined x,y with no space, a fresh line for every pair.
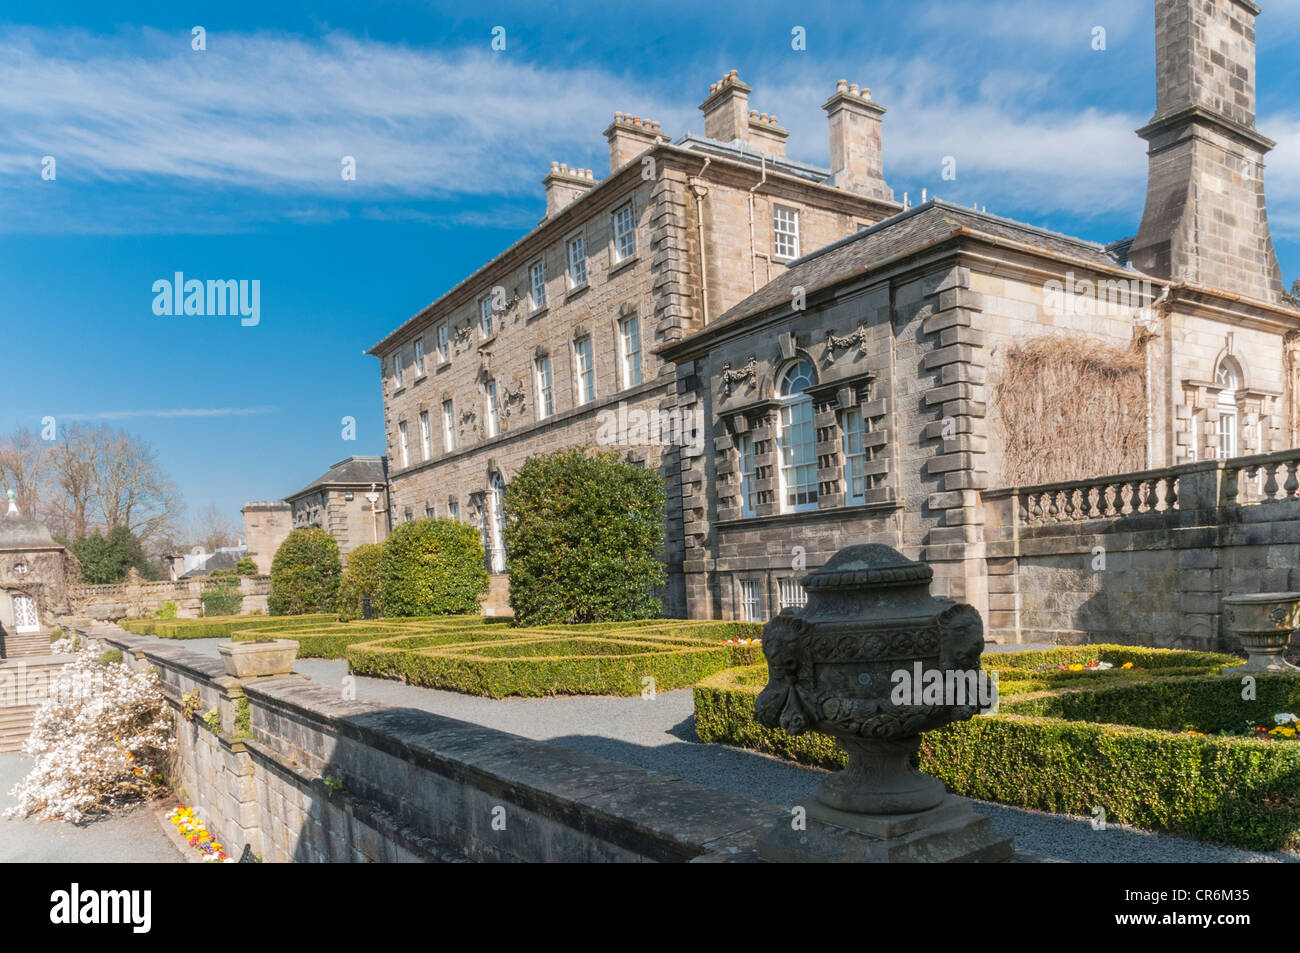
1071,409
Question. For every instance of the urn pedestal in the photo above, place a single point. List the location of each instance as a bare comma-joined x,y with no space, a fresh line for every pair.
874,660
256,659
1264,623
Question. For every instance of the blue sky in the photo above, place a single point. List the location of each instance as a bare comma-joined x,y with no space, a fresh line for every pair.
225,163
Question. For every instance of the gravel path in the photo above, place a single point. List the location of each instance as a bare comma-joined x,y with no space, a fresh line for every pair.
131,836
658,735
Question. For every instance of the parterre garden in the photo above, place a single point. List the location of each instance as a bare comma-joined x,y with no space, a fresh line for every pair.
1160,740
486,656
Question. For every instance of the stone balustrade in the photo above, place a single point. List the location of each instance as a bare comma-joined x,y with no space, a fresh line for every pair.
1240,481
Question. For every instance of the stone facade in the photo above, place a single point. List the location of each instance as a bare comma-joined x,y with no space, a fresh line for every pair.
339,503
33,585
1205,221
498,369
266,524
899,332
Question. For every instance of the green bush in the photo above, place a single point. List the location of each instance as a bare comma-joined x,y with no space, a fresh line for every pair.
361,584
246,567
222,599
305,573
1080,745
583,537
432,567
166,611
108,558
497,660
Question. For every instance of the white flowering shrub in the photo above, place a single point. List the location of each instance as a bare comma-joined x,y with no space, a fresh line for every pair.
99,741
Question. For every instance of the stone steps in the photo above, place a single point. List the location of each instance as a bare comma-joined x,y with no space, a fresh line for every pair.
16,719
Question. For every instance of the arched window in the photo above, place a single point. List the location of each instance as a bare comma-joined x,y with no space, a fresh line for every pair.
1229,380
494,529
797,439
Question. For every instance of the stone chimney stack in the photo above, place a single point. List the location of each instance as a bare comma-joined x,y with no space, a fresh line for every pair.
563,185
857,141
1205,221
726,111
629,136
766,135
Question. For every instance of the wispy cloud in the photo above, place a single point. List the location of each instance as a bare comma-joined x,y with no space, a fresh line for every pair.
171,412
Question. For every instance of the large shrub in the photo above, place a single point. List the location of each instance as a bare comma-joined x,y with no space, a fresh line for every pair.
583,537
222,598
360,585
305,573
432,567
107,559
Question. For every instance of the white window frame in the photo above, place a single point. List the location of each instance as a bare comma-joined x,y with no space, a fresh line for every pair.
793,595
854,424
426,434
419,357
751,600
748,468
629,345
29,606
537,284
584,377
491,408
397,369
623,231
578,263
545,386
785,232
448,425
1229,416
453,511
485,322
430,512
444,342
402,443
796,414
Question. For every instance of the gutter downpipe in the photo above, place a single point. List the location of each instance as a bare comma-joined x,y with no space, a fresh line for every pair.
753,250
700,190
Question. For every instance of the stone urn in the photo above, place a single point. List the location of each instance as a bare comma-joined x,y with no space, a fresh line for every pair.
1264,623
255,659
874,660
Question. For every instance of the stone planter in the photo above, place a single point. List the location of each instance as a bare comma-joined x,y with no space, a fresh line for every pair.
1264,623
874,660
255,659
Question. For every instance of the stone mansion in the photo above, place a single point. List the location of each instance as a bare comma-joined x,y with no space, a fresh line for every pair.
864,372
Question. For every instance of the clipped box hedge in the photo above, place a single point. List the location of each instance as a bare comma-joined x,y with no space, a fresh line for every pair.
1116,740
608,659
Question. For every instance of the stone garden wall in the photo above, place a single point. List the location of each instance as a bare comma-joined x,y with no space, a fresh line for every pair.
136,598
290,768
1142,558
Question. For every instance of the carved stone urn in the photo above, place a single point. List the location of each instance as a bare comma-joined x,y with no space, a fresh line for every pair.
1264,623
851,664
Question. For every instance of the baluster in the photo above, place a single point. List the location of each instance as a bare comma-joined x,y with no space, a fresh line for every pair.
1050,510
1230,486
1171,493
1145,498
1292,483
1270,484
1094,494
1107,500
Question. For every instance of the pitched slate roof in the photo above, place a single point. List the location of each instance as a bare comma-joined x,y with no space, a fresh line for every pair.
905,232
354,471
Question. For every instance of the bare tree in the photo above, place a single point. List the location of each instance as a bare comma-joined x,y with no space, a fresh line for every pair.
131,490
25,462
70,509
212,529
